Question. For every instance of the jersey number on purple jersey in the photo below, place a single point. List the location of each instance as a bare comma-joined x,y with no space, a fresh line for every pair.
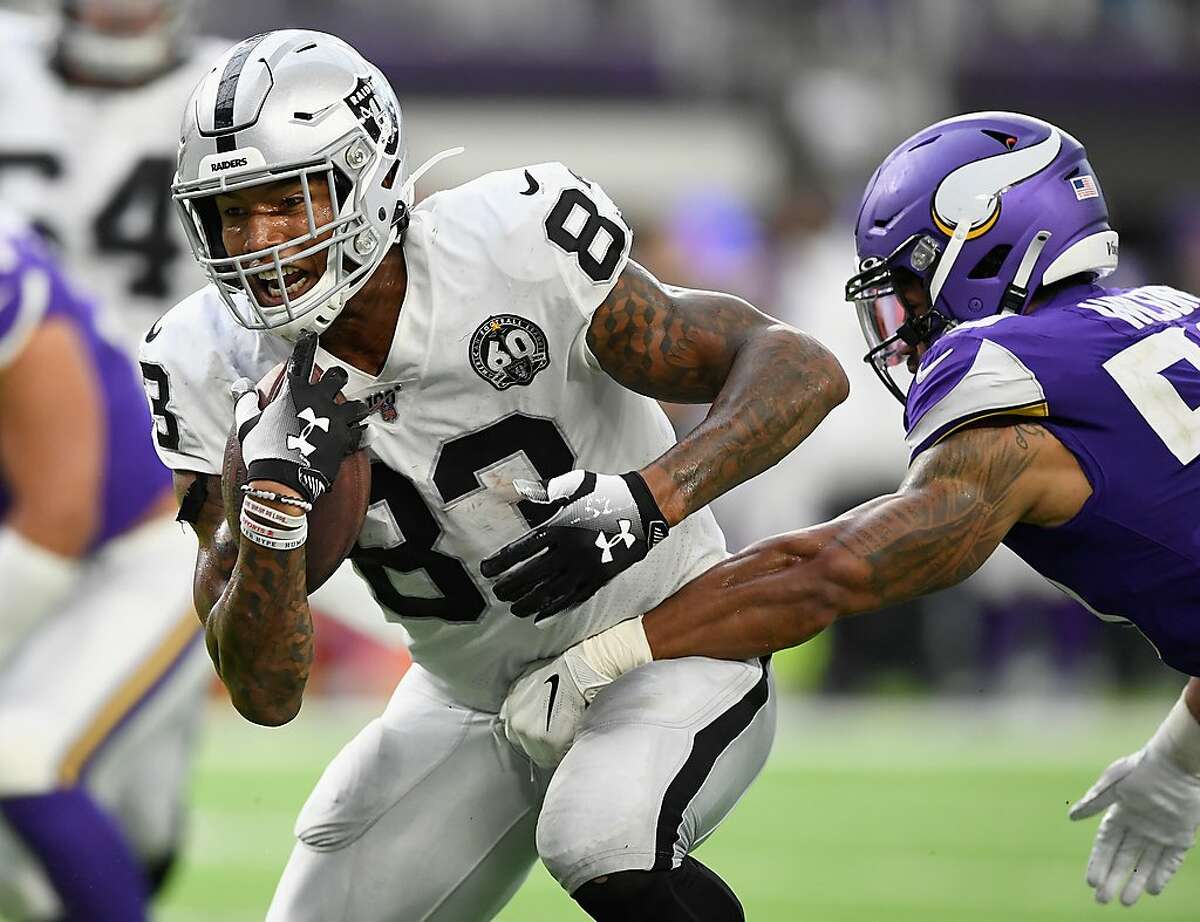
1138,371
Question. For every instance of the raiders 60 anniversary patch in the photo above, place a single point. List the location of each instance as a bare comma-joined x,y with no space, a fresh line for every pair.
508,350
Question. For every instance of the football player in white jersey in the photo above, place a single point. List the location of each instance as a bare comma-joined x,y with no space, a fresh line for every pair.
496,332
89,98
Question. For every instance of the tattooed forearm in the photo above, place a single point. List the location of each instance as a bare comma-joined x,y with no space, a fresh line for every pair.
214,566
769,384
261,636
953,510
202,507
958,502
254,607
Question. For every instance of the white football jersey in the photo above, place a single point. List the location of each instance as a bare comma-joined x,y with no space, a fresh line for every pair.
488,378
92,167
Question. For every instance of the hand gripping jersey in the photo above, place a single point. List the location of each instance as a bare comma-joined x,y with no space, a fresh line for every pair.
1115,375
92,168
33,292
488,379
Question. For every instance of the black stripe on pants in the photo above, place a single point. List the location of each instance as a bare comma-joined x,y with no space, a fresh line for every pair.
707,747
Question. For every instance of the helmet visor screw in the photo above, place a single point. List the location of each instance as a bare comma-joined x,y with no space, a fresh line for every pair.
364,243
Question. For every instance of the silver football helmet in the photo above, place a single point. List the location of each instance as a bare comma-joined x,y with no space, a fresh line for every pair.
119,41
295,104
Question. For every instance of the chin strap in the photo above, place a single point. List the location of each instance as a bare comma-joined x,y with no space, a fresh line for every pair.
1016,293
410,184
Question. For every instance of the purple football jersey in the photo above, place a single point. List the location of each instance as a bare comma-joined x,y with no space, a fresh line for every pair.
1115,375
32,290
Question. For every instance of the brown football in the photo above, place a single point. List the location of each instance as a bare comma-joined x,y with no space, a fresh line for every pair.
337,515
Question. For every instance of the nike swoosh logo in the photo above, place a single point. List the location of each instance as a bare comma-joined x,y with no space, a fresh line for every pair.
924,371
553,683
155,329
533,184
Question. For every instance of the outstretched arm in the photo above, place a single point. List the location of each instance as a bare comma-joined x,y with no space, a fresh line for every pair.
959,500
769,384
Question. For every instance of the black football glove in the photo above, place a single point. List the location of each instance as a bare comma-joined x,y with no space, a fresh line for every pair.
300,438
607,523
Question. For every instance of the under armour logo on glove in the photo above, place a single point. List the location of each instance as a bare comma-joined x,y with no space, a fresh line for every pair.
606,546
312,421
555,566
306,460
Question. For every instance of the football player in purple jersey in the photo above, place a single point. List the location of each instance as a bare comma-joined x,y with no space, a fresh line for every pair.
101,669
1043,411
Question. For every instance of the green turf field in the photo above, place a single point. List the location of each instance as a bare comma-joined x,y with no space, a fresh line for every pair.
866,812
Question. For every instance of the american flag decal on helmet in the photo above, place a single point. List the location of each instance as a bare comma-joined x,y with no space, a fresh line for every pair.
1085,187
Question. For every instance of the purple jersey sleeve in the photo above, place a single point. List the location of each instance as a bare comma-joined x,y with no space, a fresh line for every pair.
968,375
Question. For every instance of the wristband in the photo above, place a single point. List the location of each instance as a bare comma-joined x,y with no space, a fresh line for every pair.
274,536
616,651
271,514
654,523
277,497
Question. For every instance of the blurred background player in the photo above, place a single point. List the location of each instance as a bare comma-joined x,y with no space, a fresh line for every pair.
90,92
102,670
90,96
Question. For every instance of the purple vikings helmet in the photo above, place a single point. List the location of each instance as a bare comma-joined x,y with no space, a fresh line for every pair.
983,209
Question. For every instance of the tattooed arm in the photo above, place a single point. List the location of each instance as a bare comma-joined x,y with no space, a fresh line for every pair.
959,500
254,607
769,384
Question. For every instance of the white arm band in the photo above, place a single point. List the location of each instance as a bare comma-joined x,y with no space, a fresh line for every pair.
616,651
1178,737
32,581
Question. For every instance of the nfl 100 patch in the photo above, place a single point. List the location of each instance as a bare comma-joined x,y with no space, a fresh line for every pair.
507,350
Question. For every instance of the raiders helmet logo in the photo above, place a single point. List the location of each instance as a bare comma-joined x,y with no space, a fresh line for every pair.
381,123
508,350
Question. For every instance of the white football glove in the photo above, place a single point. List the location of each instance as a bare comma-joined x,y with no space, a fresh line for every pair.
545,705
1153,803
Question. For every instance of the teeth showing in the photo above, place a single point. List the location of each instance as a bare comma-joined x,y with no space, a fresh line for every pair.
294,279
